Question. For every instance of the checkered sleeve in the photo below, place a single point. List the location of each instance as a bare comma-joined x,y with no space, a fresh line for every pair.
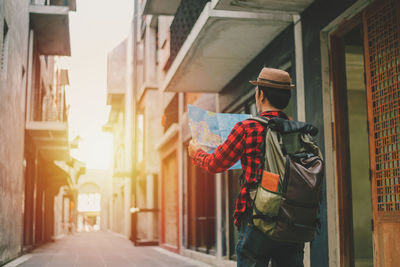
225,155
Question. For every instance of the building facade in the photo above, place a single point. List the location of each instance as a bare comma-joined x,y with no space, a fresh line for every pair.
12,118
343,57
34,127
120,126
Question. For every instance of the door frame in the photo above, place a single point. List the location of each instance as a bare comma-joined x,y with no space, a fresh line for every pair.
341,139
169,151
335,206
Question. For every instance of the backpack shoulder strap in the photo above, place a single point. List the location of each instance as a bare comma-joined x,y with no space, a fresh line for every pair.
263,120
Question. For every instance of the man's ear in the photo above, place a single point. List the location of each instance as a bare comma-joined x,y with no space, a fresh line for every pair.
261,94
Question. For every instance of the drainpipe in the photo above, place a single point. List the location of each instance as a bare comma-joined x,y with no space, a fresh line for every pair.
298,41
133,110
218,200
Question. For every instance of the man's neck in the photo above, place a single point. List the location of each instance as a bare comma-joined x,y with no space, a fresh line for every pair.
267,108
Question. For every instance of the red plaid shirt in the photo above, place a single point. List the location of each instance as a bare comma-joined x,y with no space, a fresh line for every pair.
244,143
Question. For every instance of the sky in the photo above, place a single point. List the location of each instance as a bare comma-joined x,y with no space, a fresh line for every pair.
95,29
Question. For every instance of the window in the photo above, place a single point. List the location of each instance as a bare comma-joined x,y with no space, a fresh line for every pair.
89,202
4,49
140,140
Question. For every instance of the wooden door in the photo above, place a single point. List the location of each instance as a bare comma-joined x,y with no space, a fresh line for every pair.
169,204
201,210
382,64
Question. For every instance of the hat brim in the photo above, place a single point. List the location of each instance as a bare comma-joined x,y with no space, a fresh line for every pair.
273,85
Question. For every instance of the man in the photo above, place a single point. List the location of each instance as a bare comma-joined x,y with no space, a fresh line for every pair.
272,94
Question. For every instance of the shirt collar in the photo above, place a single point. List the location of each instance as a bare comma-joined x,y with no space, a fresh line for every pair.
273,113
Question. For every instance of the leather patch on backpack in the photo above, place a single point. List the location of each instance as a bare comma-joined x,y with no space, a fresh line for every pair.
270,181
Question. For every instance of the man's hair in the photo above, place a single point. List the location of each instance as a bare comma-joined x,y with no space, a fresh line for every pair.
278,98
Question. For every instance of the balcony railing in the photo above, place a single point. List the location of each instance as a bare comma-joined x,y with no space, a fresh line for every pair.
52,2
186,16
47,128
49,101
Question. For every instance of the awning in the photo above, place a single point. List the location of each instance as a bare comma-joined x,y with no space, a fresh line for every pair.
283,6
160,7
56,176
50,139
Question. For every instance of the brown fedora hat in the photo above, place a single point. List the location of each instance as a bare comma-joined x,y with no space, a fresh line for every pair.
274,78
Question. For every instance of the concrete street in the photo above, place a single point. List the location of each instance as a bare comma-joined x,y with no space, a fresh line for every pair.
102,249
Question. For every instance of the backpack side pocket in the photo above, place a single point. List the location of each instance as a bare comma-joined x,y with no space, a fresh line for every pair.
265,209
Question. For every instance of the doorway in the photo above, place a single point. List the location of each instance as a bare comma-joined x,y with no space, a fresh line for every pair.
373,33
352,147
200,209
169,203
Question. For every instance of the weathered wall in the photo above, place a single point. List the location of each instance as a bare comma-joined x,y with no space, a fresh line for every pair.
12,117
152,131
279,52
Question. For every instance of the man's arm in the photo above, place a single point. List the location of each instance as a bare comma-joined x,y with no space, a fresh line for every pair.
224,156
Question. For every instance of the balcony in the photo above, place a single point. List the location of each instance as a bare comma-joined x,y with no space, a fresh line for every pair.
281,6
184,20
47,123
50,22
160,7
50,138
222,42
116,75
146,78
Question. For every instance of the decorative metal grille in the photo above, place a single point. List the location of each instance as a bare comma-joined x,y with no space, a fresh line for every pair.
186,16
383,52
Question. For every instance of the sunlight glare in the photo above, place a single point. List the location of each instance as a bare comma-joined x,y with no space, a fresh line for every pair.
96,28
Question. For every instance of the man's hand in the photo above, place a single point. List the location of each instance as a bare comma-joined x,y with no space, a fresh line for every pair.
192,148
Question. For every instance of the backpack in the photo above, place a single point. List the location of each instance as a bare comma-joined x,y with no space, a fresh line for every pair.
285,201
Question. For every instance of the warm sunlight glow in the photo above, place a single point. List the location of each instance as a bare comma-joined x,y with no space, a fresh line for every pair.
96,28
89,202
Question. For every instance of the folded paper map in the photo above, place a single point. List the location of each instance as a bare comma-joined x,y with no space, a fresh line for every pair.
211,129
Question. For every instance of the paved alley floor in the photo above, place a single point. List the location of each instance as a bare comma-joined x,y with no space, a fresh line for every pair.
102,249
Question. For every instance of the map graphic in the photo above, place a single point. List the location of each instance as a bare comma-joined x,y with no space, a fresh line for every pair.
211,129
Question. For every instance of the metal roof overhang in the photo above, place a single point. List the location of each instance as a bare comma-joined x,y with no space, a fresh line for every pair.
220,45
58,175
115,99
160,7
287,6
50,138
51,27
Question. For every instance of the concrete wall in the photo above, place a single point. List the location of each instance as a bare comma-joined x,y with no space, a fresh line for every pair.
278,53
12,118
119,78
153,131
116,69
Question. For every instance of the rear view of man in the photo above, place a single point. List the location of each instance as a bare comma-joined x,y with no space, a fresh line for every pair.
244,143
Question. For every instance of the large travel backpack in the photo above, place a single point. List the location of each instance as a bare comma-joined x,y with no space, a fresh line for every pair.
287,196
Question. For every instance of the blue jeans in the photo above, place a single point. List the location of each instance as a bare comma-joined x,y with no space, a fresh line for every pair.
254,249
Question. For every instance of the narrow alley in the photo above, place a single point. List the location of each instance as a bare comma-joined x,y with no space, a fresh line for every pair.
100,249
133,133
